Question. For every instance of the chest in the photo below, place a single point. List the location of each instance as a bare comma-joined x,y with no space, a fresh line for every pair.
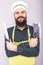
21,35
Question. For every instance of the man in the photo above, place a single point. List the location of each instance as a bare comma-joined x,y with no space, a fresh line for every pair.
22,47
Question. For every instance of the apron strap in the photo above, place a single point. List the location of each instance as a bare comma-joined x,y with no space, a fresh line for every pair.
21,41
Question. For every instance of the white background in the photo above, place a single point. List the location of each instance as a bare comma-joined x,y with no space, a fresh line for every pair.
34,15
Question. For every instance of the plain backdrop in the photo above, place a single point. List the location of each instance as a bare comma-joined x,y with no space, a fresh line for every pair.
34,15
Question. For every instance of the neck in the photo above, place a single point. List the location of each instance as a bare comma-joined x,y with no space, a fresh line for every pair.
20,27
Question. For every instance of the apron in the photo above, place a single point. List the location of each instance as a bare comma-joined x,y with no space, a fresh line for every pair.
19,59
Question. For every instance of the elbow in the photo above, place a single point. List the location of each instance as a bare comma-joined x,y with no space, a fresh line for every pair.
37,53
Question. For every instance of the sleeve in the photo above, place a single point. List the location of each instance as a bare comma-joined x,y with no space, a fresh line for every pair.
8,52
25,50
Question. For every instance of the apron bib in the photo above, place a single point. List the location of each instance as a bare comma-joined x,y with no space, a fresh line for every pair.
19,59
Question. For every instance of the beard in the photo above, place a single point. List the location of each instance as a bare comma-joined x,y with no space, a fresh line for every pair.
22,23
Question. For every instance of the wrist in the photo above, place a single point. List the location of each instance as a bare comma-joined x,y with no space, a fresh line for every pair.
15,48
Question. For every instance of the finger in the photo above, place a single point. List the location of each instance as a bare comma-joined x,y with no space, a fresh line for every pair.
7,42
10,40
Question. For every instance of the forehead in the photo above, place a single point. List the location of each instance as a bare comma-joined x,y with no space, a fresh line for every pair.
20,9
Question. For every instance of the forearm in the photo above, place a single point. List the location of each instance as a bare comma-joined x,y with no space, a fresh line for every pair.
25,50
21,48
10,46
31,51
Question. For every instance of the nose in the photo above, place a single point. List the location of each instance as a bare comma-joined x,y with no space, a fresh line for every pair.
20,14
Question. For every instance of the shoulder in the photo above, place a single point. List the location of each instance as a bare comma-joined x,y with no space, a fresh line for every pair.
30,27
31,30
10,30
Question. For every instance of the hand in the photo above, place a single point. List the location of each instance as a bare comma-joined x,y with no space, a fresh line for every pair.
33,42
11,46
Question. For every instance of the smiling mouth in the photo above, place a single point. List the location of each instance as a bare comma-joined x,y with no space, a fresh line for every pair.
20,19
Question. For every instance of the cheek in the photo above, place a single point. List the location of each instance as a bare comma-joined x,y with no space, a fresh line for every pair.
16,15
24,15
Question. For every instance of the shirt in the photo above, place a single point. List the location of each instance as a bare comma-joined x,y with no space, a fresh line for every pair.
22,49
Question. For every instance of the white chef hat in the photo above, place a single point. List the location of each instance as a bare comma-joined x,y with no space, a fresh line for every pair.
19,4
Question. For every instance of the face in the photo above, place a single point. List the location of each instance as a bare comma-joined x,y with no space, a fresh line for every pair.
20,15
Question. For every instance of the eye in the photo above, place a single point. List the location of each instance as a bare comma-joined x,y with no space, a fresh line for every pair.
23,12
17,12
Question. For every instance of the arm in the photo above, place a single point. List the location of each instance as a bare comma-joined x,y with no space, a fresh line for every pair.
26,50
10,51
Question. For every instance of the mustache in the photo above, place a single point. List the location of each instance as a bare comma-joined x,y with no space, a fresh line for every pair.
20,17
